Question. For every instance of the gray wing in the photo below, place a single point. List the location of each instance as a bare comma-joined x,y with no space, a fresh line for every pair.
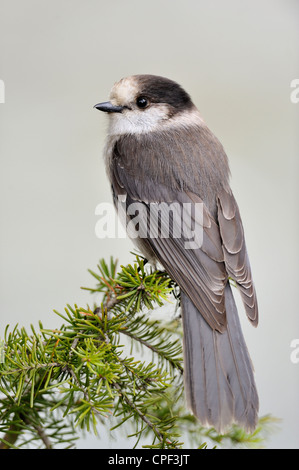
202,272
194,262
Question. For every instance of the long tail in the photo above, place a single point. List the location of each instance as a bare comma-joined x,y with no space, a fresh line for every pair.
218,373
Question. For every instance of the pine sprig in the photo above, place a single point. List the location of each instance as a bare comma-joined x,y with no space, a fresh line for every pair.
79,374
56,381
133,286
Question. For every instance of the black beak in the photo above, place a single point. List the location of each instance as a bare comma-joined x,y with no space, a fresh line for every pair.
108,107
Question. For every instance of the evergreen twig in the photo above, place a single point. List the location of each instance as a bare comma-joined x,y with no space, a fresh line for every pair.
53,382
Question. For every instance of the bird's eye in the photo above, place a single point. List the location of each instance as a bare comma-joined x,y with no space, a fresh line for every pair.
142,102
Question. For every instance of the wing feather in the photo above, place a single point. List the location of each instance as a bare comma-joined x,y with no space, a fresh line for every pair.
235,252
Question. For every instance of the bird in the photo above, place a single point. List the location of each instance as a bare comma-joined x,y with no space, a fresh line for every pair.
161,158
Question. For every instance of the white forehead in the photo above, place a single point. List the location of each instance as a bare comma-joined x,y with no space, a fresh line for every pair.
124,91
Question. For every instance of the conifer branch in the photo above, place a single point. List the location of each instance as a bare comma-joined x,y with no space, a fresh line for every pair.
55,382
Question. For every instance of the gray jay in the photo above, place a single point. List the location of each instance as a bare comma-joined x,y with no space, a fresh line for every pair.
160,153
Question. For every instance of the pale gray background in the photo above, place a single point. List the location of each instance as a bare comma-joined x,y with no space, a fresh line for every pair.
236,59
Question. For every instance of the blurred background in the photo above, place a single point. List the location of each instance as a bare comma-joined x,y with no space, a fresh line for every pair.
237,60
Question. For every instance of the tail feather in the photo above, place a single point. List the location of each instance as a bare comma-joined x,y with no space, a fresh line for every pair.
219,381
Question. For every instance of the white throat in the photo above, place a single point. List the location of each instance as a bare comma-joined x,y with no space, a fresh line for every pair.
152,119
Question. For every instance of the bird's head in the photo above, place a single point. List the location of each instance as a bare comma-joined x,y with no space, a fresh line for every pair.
143,103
